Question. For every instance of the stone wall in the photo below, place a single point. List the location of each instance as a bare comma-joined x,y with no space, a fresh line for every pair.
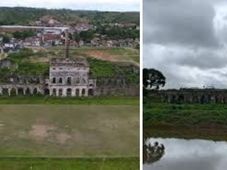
116,87
16,89
191,95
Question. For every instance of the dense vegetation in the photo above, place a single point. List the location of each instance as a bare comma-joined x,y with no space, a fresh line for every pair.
24,67
117,32
185,120
186,115
26,16
23,34
105,69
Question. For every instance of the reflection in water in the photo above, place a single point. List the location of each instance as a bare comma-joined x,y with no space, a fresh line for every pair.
152,153
183,154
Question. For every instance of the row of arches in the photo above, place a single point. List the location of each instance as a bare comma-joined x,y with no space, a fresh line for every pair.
199,98
79,92
67,80
14,91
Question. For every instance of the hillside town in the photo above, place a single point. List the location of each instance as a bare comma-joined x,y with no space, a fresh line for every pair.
48,32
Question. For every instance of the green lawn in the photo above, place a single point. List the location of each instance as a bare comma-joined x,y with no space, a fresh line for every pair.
69,164
207,121
77,101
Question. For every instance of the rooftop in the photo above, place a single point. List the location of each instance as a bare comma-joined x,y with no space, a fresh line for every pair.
71,62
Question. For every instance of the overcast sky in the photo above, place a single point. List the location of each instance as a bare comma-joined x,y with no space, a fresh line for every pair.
187,41
103,5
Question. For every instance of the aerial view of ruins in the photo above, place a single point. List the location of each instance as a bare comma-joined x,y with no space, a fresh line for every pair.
69,89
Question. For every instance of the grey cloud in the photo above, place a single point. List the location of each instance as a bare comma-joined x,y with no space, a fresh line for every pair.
180,22
204,163
184,67
182,41
203,60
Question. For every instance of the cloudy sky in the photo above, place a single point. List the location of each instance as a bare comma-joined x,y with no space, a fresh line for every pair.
187,41
103,5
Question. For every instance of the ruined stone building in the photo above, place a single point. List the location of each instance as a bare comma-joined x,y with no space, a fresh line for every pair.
67,77
70,77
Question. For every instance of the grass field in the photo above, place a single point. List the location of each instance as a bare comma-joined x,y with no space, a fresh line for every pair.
69,130
70,100
69,164
81,134
207,121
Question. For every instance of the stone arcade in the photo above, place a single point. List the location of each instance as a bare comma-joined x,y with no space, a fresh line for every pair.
190,95
67,77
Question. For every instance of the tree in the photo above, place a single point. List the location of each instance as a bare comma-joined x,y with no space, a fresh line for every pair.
87,35
76,36
23,34
5,39
153,79
152,153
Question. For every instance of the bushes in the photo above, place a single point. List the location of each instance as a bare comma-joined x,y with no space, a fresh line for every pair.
24,67
27,68
100,68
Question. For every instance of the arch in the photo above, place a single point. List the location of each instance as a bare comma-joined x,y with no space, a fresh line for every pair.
173,99
209,98
27,91
5,91
181,98
60,92
53,80
195,99
83,92
13,92
20,91
90,92
35,91
77,80
54,92
46,91
77,92
216,99
69,92
202,99
60,80
69,80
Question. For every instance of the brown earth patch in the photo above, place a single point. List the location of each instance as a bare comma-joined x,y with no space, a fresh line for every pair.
40,131
62,137
101,55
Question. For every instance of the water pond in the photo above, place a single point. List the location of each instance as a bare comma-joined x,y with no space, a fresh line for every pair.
182,154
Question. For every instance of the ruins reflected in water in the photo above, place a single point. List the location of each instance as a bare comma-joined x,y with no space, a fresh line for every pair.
181,154
152,152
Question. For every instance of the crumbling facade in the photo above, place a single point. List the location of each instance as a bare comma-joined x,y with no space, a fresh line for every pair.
70,77
67,77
